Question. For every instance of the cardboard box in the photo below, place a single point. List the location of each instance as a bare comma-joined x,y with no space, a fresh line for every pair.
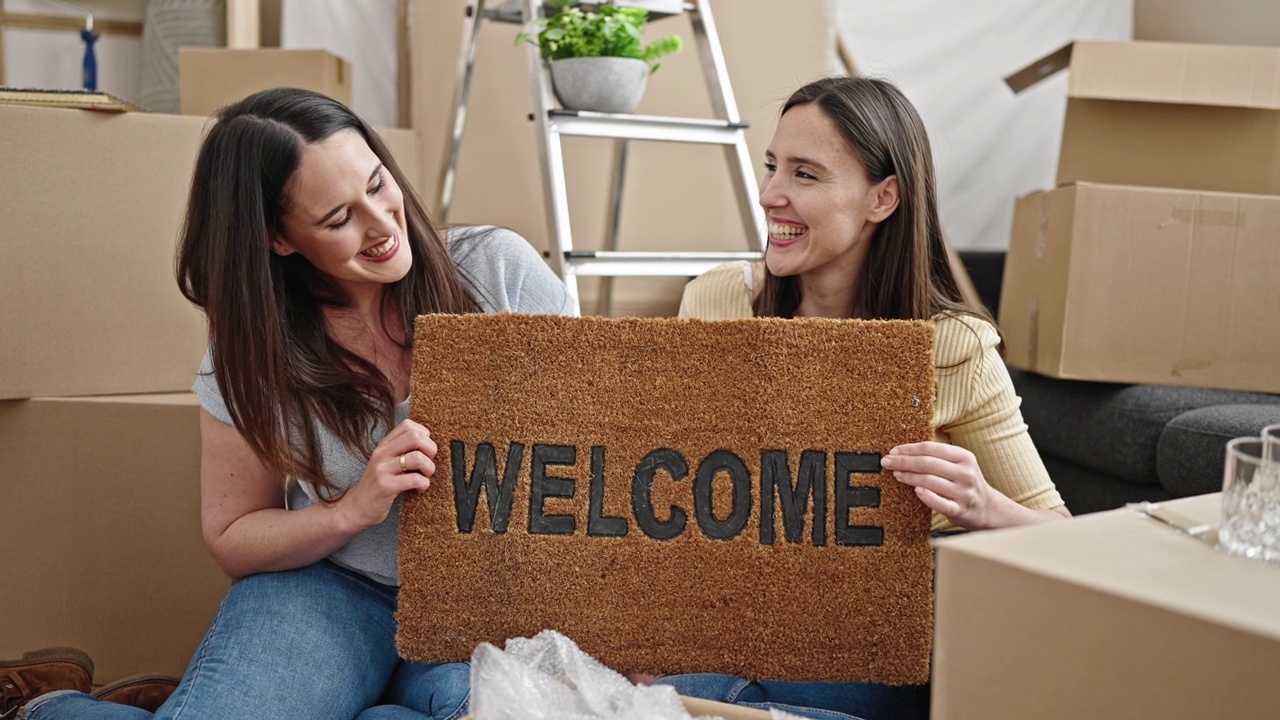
92,204
1203,117
101,531
1145,285
1111,615
404,147
209,78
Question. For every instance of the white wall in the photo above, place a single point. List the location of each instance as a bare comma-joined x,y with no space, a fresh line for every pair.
48,59
361,31
949,58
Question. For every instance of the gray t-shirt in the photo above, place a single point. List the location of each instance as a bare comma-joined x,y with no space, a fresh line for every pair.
503,273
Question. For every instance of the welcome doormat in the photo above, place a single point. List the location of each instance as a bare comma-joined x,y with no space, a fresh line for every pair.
674,495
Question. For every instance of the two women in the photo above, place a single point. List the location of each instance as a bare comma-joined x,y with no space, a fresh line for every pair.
311,257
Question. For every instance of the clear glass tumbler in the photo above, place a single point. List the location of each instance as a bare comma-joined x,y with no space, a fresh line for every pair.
1250,502
1271,443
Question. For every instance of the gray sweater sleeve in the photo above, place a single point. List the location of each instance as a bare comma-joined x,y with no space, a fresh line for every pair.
208,392
504,273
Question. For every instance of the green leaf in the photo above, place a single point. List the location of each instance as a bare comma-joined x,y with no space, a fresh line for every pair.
606,31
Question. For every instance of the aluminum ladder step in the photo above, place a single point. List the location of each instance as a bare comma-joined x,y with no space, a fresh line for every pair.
616,263
583,123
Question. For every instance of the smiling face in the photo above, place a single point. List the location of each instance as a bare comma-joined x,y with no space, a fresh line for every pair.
822,209
346,216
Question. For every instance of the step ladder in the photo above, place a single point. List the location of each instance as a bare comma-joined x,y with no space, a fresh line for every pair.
726,129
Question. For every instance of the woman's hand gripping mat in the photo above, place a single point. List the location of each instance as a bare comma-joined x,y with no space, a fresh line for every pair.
673,495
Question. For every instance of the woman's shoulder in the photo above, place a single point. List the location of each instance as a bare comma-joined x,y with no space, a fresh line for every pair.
959,337
465,241
491,256
723,292
503,272
731,274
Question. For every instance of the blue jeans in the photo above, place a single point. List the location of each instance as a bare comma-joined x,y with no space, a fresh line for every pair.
313,643
822,700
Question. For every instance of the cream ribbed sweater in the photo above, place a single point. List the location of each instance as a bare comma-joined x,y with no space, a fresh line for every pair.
975,408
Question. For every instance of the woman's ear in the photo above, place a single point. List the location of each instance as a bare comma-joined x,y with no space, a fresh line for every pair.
885,200
280,246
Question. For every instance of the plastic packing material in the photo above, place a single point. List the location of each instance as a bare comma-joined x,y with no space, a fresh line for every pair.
547,677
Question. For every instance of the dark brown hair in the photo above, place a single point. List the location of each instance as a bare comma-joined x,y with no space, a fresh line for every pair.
907,276
278,369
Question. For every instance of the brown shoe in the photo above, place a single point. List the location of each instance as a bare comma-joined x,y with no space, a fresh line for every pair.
141,691
39,672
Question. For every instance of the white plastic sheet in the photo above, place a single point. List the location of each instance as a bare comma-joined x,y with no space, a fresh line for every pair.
547,677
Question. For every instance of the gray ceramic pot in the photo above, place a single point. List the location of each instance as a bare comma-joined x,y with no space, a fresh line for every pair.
602,84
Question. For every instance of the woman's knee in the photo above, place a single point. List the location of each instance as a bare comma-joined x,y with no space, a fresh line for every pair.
440,691
275,631
708,686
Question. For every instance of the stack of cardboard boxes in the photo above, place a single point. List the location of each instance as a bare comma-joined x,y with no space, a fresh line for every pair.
1157,257
99,435
1155,260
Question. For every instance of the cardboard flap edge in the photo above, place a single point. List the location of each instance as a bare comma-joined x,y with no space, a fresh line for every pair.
1038,70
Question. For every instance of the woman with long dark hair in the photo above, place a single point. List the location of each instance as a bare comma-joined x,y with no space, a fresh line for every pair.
311,256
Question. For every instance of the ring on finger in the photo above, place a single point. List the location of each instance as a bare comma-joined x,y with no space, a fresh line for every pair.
403,467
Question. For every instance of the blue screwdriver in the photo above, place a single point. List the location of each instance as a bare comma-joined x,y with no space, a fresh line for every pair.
90,62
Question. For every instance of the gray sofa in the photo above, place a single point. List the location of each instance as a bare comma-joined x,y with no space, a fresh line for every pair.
1107,444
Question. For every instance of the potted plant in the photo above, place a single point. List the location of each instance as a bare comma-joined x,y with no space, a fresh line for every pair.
596,56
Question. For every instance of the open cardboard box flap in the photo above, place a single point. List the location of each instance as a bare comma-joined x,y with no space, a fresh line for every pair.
1181,73
1170,115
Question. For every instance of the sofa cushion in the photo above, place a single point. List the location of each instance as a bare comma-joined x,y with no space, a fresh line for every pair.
1193,446
1110,427
1087,491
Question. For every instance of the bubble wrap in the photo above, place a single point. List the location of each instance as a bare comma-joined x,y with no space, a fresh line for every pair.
547,677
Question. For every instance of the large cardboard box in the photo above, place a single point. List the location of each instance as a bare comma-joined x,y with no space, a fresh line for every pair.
1205,117
1145,285
209,78
101,531
92,204
1111,615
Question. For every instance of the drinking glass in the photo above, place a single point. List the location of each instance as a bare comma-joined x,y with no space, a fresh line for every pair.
1250,502
1271,443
